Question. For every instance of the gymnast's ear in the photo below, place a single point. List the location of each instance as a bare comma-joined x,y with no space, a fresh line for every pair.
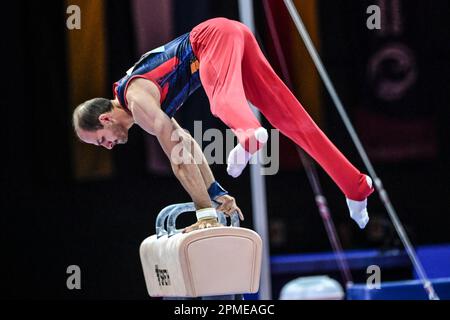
105,118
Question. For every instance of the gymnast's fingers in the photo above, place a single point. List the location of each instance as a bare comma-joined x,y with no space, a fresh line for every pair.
239,211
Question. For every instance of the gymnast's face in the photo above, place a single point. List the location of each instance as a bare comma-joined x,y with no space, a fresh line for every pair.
111,134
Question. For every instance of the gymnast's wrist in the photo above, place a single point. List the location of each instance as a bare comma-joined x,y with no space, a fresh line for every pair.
206,213
215,190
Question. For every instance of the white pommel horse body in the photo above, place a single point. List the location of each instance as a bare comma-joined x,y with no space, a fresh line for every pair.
207,262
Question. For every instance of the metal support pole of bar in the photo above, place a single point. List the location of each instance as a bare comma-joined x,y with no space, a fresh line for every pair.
258,184
379,185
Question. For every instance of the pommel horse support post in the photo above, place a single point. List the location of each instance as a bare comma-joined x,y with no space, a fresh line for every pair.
208,262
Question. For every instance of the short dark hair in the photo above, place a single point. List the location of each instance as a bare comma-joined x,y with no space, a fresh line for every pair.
85,116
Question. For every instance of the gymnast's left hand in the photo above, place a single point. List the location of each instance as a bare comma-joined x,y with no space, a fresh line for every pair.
228,206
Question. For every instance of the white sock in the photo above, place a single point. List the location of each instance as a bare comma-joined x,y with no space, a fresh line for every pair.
239,157
358,209
261,135
358,212
237,161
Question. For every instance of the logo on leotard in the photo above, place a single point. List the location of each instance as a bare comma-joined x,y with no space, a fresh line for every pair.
195,65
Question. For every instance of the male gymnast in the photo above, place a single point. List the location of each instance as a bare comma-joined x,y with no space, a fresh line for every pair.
223,56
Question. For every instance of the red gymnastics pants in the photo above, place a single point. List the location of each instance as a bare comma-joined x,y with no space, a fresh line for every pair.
233,70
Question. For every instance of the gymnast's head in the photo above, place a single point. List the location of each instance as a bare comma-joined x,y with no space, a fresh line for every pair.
101,122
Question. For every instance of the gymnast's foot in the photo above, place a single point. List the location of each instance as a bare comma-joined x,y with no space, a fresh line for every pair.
358,209
358,212
237,161
239,157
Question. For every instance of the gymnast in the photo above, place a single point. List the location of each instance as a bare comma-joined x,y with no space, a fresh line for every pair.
223,56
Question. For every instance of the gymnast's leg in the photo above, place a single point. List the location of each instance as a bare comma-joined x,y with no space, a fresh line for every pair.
219,45
273,98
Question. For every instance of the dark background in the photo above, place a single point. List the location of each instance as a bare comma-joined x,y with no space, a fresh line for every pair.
49,220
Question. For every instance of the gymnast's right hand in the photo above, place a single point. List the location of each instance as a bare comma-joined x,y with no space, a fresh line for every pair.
203,224
206,218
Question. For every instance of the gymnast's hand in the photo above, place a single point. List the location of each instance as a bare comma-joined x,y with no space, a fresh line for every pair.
203,224
228,206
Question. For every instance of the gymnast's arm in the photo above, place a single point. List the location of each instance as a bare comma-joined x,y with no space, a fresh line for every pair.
203,166
148,115
227,203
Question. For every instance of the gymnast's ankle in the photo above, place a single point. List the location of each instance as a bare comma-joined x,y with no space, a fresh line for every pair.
240,155
253,140
358,208
261,136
